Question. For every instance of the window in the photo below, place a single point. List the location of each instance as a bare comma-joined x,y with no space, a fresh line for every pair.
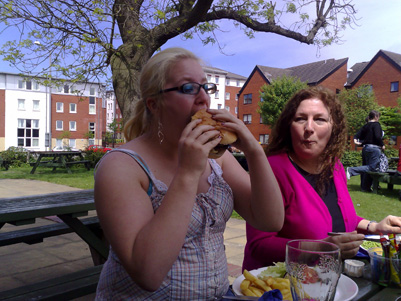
219,106
28,132
73,125
261,120
36,105
217,95
92,131
248,118
227,108
264,138
72,143
248,98
59,143
227,95
21,104
394,87
227,81
238,83
66,89
59,107
28,85
217,79
73,107
209,78
92,91
236,110
92,105
59,125
236,97
261,96
92,127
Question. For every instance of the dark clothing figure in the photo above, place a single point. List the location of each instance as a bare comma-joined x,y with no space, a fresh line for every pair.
370,135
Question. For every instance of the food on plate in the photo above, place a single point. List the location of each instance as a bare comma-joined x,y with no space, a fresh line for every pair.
311,276
255,287
277,270
227,137
370,244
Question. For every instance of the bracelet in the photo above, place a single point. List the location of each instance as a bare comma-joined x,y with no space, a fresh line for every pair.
367,227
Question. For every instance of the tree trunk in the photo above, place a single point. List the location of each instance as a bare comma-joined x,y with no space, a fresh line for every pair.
126,66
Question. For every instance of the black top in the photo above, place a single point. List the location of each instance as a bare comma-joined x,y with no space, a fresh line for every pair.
330,198
371,133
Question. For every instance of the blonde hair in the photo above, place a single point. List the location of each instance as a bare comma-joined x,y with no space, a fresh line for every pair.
152,80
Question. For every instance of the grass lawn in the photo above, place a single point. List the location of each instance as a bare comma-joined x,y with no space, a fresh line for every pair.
368,205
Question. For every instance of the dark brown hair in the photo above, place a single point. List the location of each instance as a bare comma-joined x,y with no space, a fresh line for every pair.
280,139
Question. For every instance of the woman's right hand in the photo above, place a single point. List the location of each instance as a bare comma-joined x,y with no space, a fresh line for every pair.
195,144
348,243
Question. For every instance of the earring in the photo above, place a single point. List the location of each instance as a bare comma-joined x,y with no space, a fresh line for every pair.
160,132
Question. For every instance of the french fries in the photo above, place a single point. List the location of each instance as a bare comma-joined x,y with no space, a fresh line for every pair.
253,286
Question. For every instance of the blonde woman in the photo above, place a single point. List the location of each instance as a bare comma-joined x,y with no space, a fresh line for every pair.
163,205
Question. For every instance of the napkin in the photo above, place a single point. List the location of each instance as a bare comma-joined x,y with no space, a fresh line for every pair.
273,295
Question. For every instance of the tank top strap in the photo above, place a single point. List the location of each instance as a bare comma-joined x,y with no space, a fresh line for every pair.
216,167
141,163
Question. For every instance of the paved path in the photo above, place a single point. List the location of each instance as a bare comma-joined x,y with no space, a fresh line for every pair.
23,264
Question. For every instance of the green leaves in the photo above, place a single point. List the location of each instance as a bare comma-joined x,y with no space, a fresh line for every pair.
357,104
275,96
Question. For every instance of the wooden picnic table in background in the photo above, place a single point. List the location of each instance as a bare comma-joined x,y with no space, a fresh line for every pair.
70,207
63,159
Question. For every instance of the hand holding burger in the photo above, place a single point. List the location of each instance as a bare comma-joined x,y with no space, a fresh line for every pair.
227,137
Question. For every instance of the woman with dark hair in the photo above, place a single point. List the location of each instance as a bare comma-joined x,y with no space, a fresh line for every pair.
371,135
306,145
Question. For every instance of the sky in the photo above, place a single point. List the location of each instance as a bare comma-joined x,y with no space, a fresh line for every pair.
379,27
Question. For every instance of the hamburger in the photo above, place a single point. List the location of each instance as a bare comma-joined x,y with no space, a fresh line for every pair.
227,137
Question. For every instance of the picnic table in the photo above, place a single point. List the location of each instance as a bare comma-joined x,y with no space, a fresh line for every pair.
367,290
63,159
70,207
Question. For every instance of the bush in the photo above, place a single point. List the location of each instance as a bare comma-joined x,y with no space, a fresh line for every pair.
354,158
16,156
93,156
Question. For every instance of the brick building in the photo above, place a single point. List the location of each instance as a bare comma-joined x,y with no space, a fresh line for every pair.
382,73
328,73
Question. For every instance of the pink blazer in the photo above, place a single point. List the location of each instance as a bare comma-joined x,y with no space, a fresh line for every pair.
306,215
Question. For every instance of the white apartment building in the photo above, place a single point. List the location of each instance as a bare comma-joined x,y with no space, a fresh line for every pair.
38,117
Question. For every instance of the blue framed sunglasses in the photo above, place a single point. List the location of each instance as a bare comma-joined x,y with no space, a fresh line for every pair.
193,88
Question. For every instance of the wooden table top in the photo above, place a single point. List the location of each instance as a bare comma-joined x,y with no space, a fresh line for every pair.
31,207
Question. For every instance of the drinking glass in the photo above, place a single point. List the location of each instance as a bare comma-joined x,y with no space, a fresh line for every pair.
314,267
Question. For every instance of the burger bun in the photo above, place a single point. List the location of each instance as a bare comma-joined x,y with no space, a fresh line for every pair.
227,137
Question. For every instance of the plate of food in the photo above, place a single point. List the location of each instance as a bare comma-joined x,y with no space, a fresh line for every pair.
346,287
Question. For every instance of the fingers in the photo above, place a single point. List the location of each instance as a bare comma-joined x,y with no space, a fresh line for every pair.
348,243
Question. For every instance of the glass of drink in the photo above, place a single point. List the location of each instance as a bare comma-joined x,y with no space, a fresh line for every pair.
314,267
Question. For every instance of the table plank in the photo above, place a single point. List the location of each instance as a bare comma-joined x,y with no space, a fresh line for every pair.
366,289
386,294
31,207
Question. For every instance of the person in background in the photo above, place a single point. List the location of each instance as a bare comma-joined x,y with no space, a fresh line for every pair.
304,152
371,135
163,205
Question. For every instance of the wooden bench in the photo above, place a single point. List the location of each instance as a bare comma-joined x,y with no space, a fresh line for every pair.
37,234
390,177
85,162
65,287
52,164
